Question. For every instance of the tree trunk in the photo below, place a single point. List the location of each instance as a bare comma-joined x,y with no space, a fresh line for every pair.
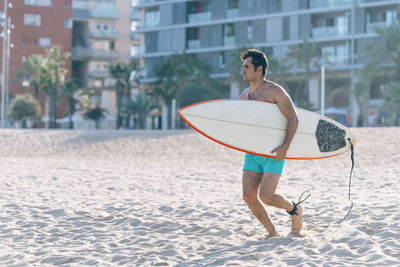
119,103
36,92
70,113
307,85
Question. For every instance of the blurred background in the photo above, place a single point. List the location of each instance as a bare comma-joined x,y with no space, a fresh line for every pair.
131,64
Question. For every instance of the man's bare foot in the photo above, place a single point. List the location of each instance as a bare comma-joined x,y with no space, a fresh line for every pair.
297,220
272,235
296,234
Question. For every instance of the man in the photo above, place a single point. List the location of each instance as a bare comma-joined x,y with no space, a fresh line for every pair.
261,174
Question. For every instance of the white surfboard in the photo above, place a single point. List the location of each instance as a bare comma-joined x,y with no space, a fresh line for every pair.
258,127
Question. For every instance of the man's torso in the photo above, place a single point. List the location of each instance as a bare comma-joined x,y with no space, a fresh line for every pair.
266,93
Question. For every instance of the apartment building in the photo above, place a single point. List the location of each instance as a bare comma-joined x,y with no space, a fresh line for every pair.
101,36
214,28
37,25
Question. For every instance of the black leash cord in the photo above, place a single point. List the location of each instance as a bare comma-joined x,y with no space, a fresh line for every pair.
349,195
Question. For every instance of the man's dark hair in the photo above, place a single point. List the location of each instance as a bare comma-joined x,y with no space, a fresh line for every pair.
258,58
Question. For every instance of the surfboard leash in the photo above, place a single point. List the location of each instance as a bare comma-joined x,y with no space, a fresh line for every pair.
349,194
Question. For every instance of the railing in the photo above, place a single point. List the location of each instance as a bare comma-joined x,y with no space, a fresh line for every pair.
329,3
80,14
137,50
84,52
199,17
193,44
143,2
232,13
135,36
229,40
372,25
105,14
338,59
135,15
148,24
328,31
98,74
110,34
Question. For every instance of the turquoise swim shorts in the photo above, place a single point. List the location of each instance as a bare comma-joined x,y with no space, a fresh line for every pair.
260,164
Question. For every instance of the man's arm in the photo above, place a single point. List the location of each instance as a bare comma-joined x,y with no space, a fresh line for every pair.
287,108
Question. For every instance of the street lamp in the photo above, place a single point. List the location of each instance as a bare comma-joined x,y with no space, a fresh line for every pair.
6,23
9,45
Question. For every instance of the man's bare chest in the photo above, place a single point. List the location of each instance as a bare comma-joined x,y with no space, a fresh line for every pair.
261,95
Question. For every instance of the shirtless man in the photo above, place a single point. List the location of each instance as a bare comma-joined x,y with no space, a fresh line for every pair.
261,174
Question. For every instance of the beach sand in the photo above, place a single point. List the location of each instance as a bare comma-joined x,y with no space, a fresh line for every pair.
167,198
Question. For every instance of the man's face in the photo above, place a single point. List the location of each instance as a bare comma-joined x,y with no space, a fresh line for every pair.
248,71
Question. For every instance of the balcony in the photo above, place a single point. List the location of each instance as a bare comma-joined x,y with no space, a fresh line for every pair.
104,14
229,40
148,24
85,14
199,17
80,14
232,13
193,44
98,74
329,3
110,34
328,32
380,24
84,53
144,2
135,15
338,60
135,36
138,50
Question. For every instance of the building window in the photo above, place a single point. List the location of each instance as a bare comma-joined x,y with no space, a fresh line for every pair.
68,3
68,24
222,60
152,18
249,33
233,4
229,34
32,20
286,28
44,42
134,25
37,2
193,38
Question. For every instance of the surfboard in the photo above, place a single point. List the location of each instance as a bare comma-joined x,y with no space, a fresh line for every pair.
257,127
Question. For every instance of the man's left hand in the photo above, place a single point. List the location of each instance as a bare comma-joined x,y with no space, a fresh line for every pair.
280,152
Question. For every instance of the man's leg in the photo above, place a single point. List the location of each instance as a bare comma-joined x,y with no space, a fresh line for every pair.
268,187
251,183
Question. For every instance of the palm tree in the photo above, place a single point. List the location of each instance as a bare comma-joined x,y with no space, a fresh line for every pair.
32,71
91,111
386,55
391,95
139,107
235,65
53,76
95,113
69,89
278,72
122,74
304,54
176,72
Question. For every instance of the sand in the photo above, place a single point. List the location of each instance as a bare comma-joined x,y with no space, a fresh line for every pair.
173,198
